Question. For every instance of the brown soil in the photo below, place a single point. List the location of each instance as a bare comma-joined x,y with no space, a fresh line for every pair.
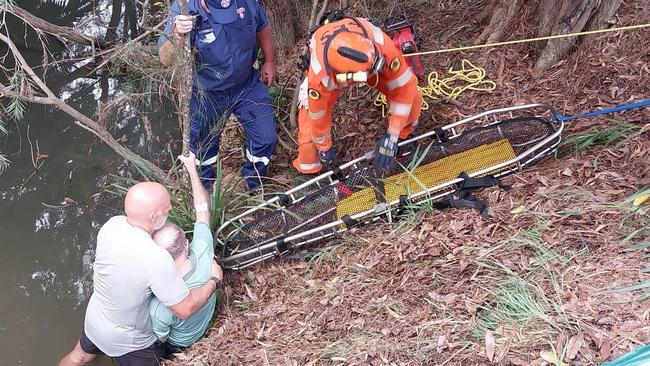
421,293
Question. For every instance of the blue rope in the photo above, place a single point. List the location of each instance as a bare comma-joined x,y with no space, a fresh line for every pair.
624,107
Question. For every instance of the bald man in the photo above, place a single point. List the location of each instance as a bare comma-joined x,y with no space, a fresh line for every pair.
129,269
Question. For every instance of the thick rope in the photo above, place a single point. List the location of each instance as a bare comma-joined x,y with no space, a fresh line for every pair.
468,77
620,108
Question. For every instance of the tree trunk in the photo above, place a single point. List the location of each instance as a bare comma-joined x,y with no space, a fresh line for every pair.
504,11
116,15
554,17
283,17
131,18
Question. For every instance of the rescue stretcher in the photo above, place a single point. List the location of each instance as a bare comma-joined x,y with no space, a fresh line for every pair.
442,167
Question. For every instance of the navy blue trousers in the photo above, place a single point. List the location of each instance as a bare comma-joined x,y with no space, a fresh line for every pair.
209,112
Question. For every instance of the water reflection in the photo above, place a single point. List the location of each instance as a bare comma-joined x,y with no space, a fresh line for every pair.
49,218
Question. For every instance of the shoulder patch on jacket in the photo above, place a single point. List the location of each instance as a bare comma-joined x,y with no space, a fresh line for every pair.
395,64
314,94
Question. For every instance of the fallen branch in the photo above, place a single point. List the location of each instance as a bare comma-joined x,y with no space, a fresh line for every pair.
80,119
60,32
184,86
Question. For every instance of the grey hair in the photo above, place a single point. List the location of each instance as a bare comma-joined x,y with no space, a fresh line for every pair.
172,238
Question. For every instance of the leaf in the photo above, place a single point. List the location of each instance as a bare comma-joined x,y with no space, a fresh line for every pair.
574,345
490,345
250,293
639,286
4,163
638,246
68,201
518,210
551,357
640,200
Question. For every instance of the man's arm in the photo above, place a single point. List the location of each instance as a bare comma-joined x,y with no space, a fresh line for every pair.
167,51
194,300
182,24
168,285
265,42
201,196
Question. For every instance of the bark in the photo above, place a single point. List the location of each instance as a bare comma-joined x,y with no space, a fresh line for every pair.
312,14
606,12
114,22
131,19
547,13
283,18
574,16
504,12
321,12
184,87
554,17
314,17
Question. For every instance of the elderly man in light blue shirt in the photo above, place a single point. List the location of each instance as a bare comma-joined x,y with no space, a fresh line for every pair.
194,262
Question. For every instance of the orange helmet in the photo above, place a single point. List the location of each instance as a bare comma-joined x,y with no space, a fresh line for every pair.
350,52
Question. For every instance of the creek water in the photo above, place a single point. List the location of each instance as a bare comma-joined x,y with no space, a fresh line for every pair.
49,217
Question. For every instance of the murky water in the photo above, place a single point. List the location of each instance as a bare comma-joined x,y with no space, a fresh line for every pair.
47,250
49,220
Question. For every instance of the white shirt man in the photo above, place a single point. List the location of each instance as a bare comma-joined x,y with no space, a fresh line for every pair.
129,269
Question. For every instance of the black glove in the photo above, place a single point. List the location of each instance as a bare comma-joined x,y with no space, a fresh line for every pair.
386,152
327,158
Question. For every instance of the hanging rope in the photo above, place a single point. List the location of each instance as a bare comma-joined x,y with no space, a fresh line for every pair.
468,77
557,36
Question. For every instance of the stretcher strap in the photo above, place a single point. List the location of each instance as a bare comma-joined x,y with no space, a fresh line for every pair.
442,136
475,183
404,201
465,200
349,222
285,200
281,246
338,174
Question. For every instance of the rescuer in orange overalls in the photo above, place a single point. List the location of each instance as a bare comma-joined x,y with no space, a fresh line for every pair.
343,52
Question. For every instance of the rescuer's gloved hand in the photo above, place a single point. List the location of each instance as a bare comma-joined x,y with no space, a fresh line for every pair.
327,158
386,152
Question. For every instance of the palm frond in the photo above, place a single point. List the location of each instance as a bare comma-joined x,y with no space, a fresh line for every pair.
4,163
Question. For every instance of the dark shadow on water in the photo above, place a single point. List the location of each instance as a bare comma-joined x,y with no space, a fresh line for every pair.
49,217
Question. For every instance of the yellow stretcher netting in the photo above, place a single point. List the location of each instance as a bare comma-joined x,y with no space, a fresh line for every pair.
429,175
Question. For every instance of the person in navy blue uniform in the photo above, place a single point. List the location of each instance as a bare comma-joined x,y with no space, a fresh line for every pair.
225,35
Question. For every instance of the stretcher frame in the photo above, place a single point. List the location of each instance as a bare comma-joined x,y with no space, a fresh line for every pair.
280,246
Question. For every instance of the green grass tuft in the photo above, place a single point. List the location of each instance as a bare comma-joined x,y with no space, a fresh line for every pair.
619,133
224,197
637,220
517,304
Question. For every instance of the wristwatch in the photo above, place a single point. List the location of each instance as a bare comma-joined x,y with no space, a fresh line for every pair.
217,282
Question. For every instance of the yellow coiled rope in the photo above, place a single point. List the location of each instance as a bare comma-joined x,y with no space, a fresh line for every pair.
468,77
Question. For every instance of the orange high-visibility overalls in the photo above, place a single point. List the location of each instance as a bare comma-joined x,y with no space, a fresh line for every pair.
319,92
